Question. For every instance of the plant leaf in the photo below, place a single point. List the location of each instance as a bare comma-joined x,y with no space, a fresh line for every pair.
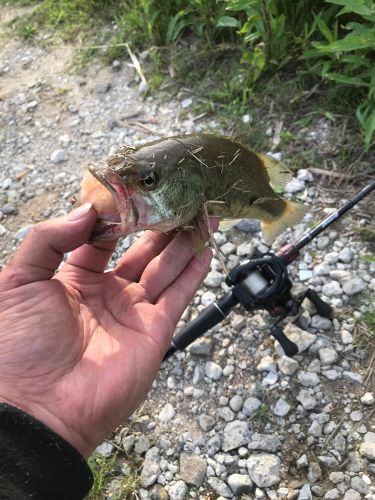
348,80
227,22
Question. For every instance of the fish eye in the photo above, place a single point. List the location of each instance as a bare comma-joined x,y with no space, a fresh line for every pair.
149,180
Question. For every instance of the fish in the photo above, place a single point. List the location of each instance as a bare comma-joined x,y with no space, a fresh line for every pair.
172,182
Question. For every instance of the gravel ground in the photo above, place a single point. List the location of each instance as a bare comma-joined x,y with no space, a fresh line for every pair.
231,417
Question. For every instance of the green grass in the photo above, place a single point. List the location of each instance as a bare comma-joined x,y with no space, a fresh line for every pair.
19,3
109,480
69,20
261,414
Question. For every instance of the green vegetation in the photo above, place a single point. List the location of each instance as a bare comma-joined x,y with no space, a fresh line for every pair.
262,413
108,478
237,49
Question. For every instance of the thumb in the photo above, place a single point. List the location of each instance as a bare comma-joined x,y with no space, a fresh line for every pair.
41,253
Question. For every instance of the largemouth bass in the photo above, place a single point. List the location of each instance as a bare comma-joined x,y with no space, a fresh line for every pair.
166,184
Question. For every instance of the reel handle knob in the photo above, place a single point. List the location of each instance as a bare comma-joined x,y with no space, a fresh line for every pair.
323,309
289,347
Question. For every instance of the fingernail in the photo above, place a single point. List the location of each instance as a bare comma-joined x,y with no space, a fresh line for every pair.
79,212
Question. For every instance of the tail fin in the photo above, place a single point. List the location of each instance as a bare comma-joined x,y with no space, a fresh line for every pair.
292,213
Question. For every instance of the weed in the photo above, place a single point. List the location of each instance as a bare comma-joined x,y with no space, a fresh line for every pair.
102,469
367,258
107,478
262,413
369,319
19,3
27,31
365,335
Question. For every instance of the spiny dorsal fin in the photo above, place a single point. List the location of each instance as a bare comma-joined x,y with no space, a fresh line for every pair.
278,173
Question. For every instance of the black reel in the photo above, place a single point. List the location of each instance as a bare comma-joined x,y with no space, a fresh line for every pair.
263,283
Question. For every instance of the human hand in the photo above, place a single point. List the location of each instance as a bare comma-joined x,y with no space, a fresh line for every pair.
80,349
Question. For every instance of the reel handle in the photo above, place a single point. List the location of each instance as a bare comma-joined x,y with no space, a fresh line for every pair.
322,307
289,347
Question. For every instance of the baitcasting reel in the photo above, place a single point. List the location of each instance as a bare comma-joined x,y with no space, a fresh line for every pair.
263,283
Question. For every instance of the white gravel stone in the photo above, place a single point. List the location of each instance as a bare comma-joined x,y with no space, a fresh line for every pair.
321,323
305,175
2,230
213,370
105,449
346,337
308,379
287,365
226,414
206,422
281,408
367,448
208,298
307,399
236,434
151,468
331,258
332,289
250,406
213,279
178,491
220,487
305,493
236,403
245,249
264,469
322,269
353,286
294,186
240,484
353,377
352,495
186,103
59,156
367,399
167,413
356,416
359,485
328,355
264,442
228,248
336,477
266,364
332,494
346,255
270,379
322,242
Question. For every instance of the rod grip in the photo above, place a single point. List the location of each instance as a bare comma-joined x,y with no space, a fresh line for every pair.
210,317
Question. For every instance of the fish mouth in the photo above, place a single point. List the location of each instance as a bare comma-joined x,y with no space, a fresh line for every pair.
120,215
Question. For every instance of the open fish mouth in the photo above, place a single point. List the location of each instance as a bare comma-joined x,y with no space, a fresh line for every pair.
117,212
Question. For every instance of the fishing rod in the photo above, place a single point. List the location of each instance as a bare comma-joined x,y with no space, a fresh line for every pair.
263,283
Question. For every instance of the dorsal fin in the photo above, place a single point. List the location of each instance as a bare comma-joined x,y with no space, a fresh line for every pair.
278,173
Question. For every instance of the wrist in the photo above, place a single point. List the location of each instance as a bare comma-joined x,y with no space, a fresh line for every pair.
55,424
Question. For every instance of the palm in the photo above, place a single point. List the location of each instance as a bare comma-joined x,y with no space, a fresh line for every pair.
91,341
